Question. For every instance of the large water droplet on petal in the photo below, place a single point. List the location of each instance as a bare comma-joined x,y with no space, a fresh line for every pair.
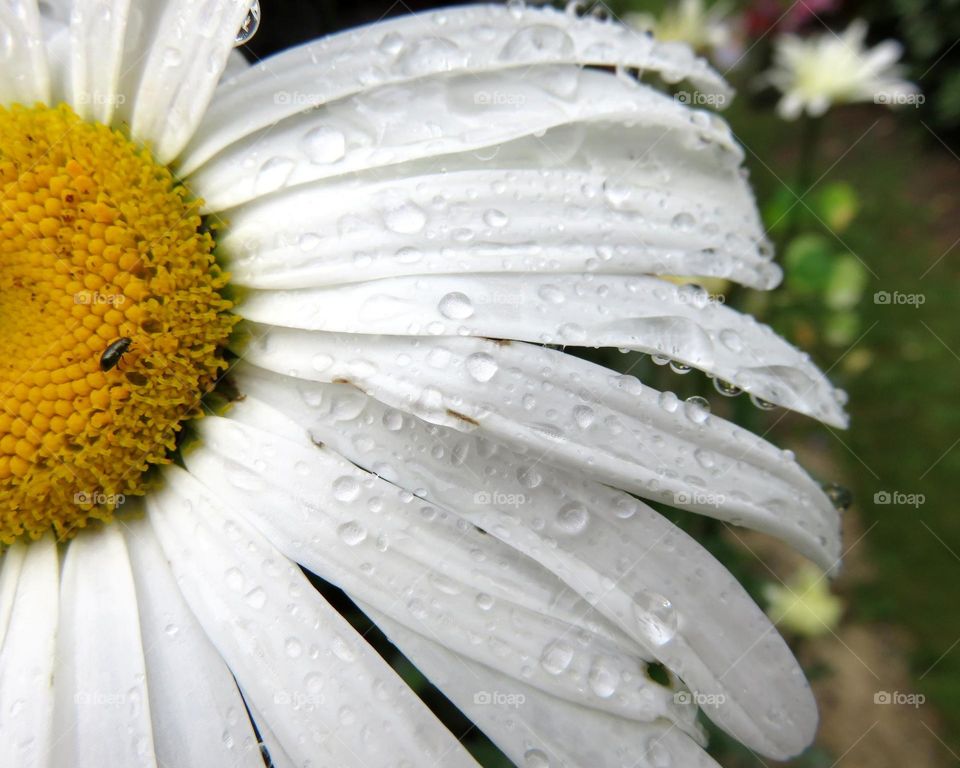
481,366
456,306
249,26
656,617
556,657
324,145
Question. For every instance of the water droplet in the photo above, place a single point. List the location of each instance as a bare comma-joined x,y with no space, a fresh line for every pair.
293,647
481,366
346,488
556,657
391,44
529,477
677,367
603,677
683,222
430,55
324,145
551,294
583,415
572,518
495,218
406,219
725,388
731,340
697,409
321,361
250,25
572,333
535,41
273,174
456,306
656,616
342,649
535,758
393,420
484,601
763,405
668,401
352,533
705,458
256,598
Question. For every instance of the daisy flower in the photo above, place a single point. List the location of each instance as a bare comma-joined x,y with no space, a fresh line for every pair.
816,72
705,29
360,261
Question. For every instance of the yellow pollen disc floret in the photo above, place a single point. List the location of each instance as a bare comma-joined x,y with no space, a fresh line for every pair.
98,243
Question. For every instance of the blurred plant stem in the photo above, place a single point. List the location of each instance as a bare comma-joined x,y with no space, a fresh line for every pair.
810,131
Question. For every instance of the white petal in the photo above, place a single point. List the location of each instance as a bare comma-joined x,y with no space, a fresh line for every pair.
588,419
174,54
102,714
23,65
423,567
534,729
386,126
97,34
492,220
475,39
632,312
633,566
327,696
199,717
278,758
11,563
27,654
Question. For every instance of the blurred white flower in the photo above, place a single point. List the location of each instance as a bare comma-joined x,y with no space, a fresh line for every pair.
704,28
816,72
804,604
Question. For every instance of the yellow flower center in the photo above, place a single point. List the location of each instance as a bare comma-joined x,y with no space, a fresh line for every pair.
111,315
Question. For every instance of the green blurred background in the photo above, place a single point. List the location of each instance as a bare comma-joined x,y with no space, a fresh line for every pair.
861,203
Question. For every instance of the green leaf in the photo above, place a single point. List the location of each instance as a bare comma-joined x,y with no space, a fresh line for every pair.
837,204
779,209
808,263
847,282
841,328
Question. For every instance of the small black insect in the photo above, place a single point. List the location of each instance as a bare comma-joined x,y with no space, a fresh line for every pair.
112,354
